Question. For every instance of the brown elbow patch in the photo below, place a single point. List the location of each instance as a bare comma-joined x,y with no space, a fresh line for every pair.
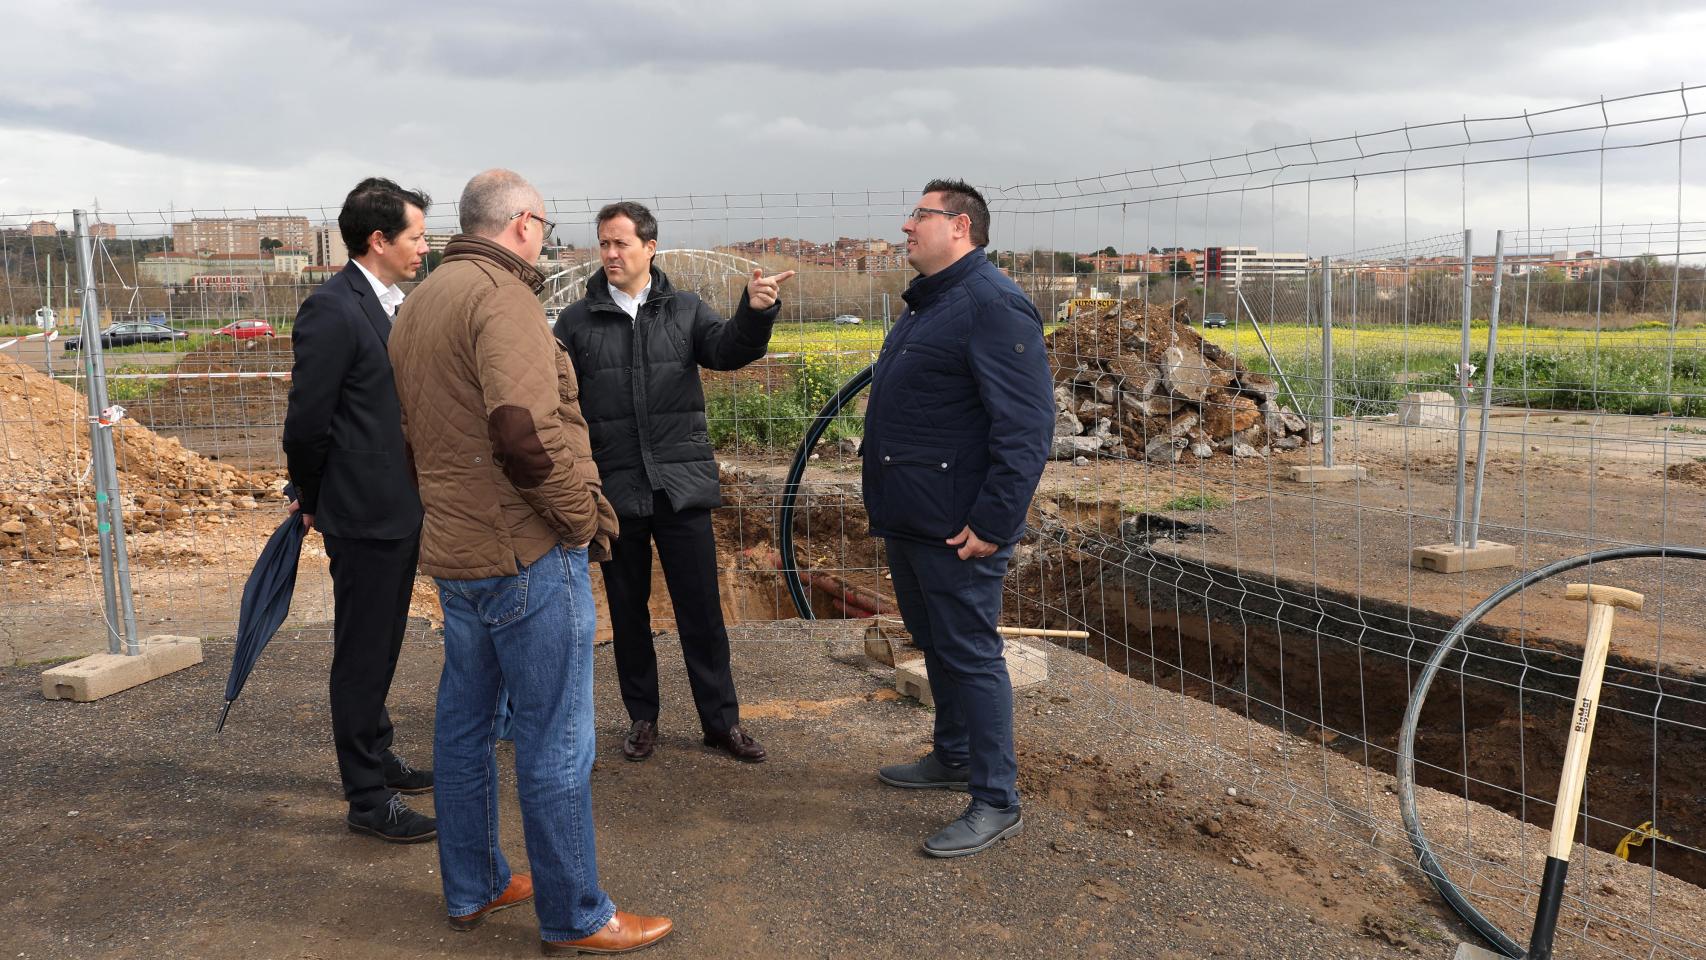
516,446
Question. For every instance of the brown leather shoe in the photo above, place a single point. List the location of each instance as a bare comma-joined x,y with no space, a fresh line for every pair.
625,932
737,744
642,740
519,891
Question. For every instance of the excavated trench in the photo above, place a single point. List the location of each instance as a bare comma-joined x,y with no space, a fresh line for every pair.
1338,668
1332,667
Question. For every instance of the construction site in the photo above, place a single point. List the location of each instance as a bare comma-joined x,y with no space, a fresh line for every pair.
1297,620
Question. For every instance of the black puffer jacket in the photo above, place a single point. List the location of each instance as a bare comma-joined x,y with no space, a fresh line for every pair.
640,388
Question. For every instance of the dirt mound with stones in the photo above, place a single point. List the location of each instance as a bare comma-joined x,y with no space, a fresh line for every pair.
1693,472
1132,380
47,492
226,383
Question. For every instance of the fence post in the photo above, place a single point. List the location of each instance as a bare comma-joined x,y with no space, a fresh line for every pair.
109,509
1463,392
1487,389
1326,362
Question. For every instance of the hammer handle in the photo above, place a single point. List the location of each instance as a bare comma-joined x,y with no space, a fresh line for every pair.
1040,632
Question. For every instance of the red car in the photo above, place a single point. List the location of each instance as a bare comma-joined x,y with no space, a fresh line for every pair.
245,329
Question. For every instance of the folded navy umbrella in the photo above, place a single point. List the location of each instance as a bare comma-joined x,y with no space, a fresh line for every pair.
266,601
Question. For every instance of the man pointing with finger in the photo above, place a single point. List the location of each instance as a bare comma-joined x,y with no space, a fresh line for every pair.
637,345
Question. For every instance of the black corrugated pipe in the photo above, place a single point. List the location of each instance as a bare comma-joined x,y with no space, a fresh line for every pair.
791,486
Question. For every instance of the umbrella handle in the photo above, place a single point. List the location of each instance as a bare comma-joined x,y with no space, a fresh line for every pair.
222,715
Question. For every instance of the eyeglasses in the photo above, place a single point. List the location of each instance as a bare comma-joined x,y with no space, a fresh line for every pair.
550,228
919,213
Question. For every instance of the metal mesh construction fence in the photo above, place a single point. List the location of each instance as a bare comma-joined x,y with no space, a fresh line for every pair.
1298,391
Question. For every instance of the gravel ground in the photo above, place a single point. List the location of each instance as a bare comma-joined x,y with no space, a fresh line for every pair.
128,830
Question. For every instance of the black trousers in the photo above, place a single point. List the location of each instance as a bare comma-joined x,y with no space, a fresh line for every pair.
688,551
371,583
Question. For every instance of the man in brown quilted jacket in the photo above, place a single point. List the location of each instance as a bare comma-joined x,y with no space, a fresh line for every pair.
499,447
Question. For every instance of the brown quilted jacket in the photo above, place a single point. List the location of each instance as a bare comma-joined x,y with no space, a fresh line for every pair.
492,420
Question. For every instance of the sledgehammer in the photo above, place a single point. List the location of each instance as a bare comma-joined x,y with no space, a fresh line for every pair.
1603,602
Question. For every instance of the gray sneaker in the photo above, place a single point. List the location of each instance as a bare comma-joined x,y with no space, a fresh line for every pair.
928,773
976,830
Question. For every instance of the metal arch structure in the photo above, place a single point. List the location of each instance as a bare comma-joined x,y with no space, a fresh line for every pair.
566,286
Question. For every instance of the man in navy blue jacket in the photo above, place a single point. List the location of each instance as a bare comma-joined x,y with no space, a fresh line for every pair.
957,432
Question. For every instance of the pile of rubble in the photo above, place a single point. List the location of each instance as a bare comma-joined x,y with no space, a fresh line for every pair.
47,505
1133,381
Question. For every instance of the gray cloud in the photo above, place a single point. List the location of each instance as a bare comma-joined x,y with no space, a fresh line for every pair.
174,103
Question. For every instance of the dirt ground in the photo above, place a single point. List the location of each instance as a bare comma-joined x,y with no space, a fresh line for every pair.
165,841
797,880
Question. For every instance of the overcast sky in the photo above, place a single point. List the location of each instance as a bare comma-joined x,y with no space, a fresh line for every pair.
175,105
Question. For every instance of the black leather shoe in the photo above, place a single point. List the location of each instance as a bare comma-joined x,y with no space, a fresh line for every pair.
737,744
928,773
642,740
393,822
978,829
401,777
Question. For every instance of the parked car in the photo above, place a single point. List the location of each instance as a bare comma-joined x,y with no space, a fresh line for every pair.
125,334
847,318
1214,320
245,329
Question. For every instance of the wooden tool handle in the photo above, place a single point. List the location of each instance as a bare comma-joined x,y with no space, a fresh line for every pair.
1039,632
1582,714
1610,596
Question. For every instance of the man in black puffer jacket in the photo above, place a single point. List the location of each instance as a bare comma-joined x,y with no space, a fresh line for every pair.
637,345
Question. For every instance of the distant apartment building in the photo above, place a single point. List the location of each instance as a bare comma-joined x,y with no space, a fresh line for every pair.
882,262
103,231
216,270
846,253
200,237
42,228
1138,263
290,261
328,247
296,233
1235,266
239,235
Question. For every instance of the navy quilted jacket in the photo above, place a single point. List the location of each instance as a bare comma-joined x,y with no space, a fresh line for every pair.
961,410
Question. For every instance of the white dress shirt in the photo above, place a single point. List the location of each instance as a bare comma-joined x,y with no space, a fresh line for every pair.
630,305
390,297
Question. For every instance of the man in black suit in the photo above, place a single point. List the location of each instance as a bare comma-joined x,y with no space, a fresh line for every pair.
343,444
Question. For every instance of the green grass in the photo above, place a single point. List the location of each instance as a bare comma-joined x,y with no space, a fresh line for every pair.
1195,501
745,415
18,329
120,389
1623,375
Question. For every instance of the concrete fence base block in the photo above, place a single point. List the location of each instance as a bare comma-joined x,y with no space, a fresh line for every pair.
1451,558
105,674
1343,473
1027,666
911,679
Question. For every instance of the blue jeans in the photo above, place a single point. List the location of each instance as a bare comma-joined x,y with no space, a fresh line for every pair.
530,634
951,607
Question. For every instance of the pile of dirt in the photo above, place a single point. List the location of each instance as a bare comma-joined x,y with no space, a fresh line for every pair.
250,387
1692,472
1131,379
46,485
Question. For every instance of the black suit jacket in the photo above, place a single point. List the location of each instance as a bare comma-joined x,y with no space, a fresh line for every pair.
343,428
